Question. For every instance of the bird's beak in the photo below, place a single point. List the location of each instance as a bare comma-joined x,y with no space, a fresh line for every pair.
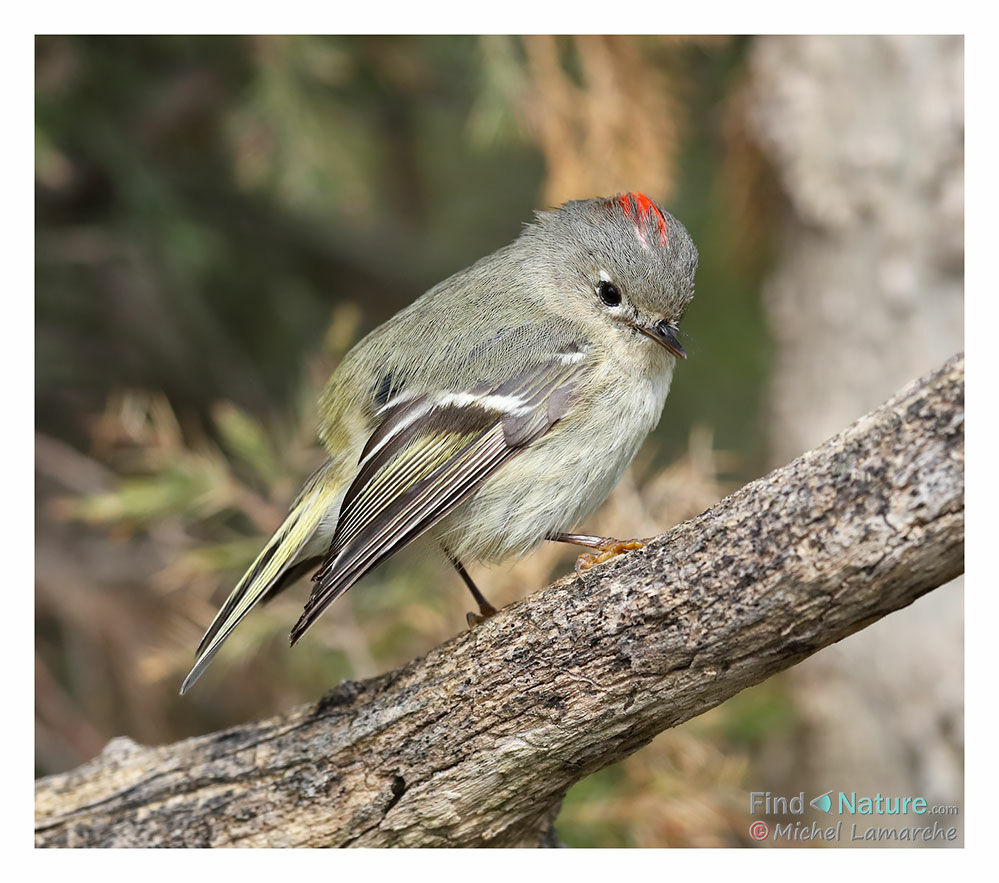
665,334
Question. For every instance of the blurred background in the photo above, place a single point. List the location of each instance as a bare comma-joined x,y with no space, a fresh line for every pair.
218,219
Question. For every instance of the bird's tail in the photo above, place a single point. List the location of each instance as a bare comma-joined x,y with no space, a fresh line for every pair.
282,559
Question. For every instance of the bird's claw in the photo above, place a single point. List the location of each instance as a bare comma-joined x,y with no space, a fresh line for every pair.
611,550
474,619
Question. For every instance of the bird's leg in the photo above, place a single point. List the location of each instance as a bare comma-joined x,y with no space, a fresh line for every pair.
607,548
485,608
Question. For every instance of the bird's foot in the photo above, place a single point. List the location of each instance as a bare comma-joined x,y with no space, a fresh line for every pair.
485,611
611,549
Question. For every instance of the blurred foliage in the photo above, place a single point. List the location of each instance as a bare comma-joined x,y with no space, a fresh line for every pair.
218,220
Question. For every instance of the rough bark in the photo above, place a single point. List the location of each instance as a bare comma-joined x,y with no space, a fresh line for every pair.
476,743
866,138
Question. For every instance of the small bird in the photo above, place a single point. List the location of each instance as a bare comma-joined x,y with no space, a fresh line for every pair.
496,411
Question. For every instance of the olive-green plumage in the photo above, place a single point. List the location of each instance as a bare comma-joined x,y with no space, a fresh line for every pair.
499,408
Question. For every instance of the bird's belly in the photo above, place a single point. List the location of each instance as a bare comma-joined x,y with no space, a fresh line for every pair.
558,481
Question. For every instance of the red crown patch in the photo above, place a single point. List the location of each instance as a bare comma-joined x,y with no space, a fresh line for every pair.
643,211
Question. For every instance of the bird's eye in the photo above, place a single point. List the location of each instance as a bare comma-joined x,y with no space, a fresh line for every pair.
609,294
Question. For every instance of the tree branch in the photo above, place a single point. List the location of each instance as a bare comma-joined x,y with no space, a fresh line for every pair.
476,743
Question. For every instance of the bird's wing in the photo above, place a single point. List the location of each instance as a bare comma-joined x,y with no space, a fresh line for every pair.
428,454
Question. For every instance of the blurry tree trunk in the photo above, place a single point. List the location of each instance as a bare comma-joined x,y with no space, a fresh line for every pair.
866,137
476,744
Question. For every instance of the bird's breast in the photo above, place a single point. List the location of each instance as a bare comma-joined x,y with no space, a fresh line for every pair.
564,476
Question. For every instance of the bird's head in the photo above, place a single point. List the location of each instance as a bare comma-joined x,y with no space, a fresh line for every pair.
624,259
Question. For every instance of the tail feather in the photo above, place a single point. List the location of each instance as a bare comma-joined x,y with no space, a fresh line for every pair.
291,576
275,567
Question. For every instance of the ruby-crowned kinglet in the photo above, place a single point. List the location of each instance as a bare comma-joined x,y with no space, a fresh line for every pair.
497,410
